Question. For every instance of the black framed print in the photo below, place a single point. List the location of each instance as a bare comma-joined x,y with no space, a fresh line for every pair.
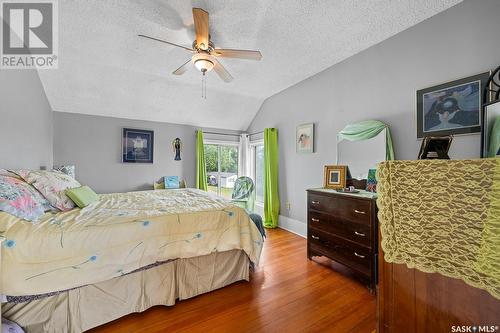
137,146
451,108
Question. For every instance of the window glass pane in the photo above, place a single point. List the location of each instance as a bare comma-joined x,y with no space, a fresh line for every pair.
211,161
259,173
228,170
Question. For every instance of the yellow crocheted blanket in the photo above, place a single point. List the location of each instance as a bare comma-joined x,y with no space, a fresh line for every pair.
443,216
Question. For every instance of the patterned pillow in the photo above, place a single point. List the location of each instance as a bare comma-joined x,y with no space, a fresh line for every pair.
4,172
17,198
52,185
36,195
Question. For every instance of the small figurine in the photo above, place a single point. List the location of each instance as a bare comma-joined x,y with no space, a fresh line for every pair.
177,145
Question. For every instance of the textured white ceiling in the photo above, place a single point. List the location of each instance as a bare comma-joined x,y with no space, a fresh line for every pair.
105,69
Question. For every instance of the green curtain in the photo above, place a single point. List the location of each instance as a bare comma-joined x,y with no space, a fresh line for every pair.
368,129
201,170
494,141
271,196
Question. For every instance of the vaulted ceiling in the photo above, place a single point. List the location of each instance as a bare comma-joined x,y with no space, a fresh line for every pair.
105,69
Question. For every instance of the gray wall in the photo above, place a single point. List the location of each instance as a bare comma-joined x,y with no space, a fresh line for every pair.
93,144
380,83
25,121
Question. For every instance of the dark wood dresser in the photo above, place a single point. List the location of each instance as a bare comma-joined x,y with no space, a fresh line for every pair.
344,228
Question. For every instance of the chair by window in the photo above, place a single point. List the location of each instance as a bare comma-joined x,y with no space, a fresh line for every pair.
244,193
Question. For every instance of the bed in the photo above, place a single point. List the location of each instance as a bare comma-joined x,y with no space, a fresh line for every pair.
75,270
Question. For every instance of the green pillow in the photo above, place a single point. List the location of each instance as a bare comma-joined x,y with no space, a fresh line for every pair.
82,196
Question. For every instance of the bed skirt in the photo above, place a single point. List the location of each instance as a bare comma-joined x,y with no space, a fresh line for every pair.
81,309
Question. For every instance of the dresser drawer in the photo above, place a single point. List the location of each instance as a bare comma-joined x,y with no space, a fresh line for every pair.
355,232
323,203
358,211
343,251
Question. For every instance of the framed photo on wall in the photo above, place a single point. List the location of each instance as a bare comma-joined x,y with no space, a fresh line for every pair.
335,176
137,146
304,139
451,108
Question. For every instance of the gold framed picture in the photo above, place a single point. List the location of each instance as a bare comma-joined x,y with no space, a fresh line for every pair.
334,176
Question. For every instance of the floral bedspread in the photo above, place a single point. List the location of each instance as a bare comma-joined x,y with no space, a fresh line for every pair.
118,234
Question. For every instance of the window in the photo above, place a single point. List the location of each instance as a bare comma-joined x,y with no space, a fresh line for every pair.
222,168
257,152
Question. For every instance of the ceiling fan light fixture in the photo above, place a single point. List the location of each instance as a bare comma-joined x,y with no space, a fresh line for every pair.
203,62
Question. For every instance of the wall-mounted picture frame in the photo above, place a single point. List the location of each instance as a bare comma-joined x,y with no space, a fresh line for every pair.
334,176
137,145
304,139
451,108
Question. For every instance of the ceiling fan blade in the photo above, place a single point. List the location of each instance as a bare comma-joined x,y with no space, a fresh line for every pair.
164,41
200,18
241,54
222,72
183,69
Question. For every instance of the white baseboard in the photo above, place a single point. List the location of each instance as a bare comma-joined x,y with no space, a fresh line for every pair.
294,226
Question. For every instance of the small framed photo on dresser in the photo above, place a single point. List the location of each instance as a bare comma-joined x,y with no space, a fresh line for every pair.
334,176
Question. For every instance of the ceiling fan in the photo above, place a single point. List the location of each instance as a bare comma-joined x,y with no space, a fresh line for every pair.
204,54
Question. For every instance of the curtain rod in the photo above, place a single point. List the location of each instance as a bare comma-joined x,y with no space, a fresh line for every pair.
255,133
230,134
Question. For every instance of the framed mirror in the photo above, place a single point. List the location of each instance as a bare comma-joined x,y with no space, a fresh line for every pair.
490,117
360,156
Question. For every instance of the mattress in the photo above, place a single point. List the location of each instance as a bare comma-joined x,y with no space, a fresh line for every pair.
119,234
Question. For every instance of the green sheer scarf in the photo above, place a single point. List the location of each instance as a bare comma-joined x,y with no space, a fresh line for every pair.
365,130
201,170
271,196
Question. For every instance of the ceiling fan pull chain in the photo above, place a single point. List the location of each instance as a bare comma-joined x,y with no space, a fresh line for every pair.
204,86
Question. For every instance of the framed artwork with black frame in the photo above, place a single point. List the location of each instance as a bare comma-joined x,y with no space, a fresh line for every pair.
137,146
451,108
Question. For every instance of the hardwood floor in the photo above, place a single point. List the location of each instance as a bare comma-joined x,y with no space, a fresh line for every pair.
286,293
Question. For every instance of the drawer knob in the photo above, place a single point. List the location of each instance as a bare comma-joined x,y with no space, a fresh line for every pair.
359,211
314,219
359,255
314,237
360,234
315,202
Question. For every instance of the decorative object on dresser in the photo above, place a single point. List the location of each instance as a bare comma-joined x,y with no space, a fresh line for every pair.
371,182
343,227
137,146
335,176
451,108
435,147
305,139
